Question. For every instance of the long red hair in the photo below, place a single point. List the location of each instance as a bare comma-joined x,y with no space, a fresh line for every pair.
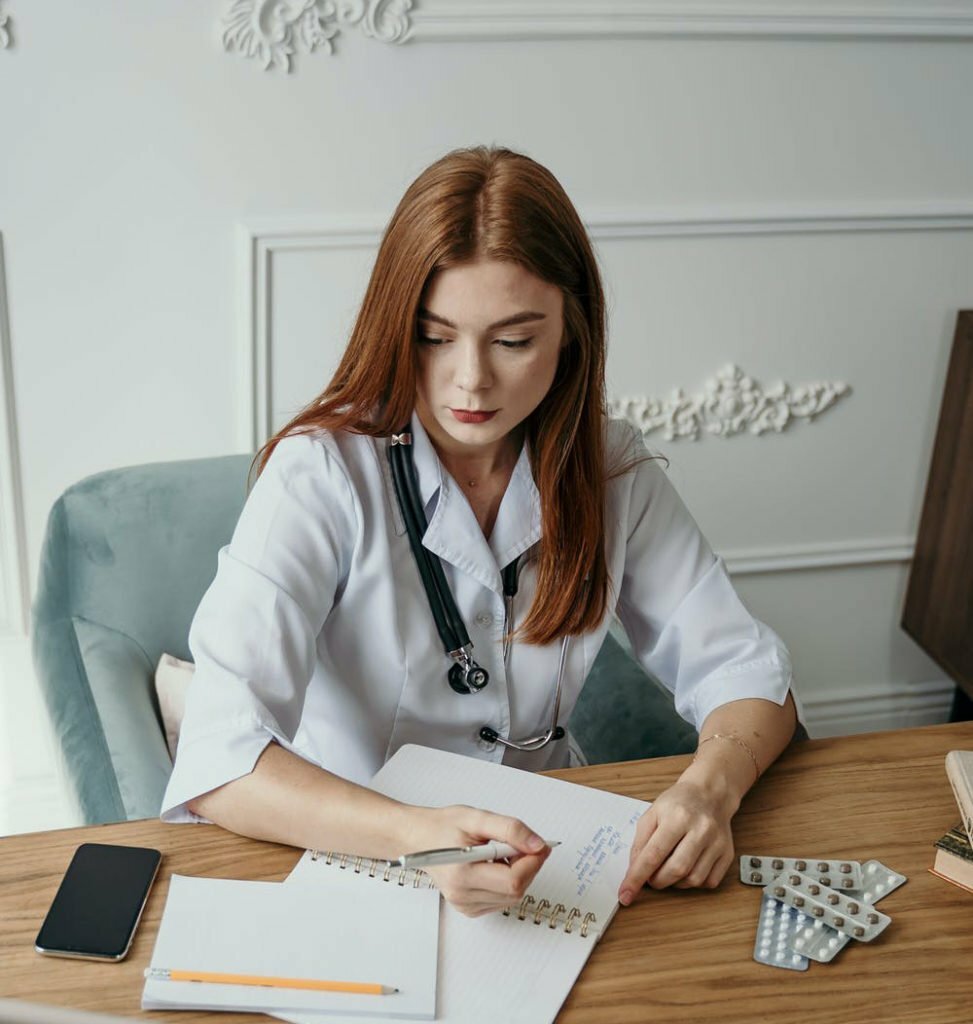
492,203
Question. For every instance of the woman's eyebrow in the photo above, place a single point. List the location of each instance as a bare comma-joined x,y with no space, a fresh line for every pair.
510,321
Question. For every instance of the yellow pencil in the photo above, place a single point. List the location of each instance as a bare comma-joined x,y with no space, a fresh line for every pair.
214,978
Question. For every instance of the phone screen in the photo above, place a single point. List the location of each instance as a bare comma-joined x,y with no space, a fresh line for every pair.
99,903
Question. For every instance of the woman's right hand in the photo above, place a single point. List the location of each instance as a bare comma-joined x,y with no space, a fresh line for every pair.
479,888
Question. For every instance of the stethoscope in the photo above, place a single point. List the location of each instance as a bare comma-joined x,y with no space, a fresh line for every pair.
465,675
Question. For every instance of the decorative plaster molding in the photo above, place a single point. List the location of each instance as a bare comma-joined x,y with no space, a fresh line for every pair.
4,31
14,589
729,403
268,29
446,20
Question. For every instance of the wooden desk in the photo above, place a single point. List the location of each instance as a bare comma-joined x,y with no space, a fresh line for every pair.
675,955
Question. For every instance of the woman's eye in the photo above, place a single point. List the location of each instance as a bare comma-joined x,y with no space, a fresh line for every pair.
514,343
425,339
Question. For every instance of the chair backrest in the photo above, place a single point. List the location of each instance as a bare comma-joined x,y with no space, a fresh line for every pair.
127,556
624,714
126,559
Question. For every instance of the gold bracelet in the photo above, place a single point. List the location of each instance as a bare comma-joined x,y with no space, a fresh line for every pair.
740,743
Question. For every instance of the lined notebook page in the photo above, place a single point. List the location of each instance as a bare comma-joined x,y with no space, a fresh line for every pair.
335,930
498,968
595,828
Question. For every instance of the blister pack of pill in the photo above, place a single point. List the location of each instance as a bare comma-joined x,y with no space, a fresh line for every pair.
777,928
845,875
847,914
822,943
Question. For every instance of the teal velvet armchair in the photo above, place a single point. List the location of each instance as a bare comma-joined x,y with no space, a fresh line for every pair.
126,559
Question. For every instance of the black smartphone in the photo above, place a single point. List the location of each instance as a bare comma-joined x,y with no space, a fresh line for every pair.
99,903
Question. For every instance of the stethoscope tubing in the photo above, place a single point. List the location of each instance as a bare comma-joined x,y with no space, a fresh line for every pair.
449,623
451,628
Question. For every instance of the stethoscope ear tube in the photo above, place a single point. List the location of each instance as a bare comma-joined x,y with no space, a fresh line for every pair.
465,675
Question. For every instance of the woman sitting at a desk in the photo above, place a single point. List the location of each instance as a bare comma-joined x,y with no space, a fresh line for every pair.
457,482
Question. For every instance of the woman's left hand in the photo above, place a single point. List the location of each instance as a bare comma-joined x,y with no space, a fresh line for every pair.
683,839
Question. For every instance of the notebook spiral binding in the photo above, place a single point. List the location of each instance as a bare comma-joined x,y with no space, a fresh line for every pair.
383,869
528,909
539,910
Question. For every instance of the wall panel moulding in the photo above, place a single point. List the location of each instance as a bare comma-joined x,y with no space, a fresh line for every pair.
6,38
14,591
272,32
592,19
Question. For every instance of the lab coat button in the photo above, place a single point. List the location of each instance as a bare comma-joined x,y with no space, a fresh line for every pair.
484,619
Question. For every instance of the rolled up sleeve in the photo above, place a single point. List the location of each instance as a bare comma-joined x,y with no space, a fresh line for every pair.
254,636
684,619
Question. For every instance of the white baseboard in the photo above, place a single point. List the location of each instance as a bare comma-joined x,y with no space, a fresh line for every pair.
37,805
870,709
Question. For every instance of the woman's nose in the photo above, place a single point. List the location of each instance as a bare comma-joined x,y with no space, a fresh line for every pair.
473,371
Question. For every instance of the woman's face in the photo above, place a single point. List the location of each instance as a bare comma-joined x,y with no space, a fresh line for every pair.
489,341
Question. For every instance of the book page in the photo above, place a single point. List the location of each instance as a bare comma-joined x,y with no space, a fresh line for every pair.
340,929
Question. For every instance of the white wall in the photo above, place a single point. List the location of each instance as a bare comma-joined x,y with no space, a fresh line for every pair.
787,186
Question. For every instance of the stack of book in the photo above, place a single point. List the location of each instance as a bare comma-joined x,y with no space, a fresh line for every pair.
954,851
954,859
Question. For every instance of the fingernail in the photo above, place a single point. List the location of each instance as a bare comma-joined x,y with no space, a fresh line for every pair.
536,843
625,897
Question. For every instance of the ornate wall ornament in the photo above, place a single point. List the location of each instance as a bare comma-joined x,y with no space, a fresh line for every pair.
730,403
269,29
4,30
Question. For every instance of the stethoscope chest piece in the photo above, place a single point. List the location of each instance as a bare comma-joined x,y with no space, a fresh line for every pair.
465,679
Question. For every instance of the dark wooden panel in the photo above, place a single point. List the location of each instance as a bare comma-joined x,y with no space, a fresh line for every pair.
938,611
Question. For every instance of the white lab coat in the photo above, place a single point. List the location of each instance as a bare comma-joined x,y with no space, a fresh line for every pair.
316,630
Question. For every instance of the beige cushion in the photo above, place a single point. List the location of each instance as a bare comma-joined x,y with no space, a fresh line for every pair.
172,678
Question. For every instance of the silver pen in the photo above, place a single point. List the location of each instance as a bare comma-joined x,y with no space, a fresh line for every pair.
462,855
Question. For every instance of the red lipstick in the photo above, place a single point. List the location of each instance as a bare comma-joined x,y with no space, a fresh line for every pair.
471,416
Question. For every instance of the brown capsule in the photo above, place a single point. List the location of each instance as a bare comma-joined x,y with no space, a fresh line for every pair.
755,862
817,911
779,890
845,869
833,898
794,879
777,864
853,908
801,865
838,921
847,883
813,889
756,876
858,932
825,880
872,918
798,901
822,865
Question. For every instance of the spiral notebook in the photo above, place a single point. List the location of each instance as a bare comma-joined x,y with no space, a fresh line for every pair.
519,966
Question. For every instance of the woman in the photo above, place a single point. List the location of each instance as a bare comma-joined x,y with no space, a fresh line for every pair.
479,354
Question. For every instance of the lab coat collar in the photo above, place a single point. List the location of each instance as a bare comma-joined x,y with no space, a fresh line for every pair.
429,469
453,532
